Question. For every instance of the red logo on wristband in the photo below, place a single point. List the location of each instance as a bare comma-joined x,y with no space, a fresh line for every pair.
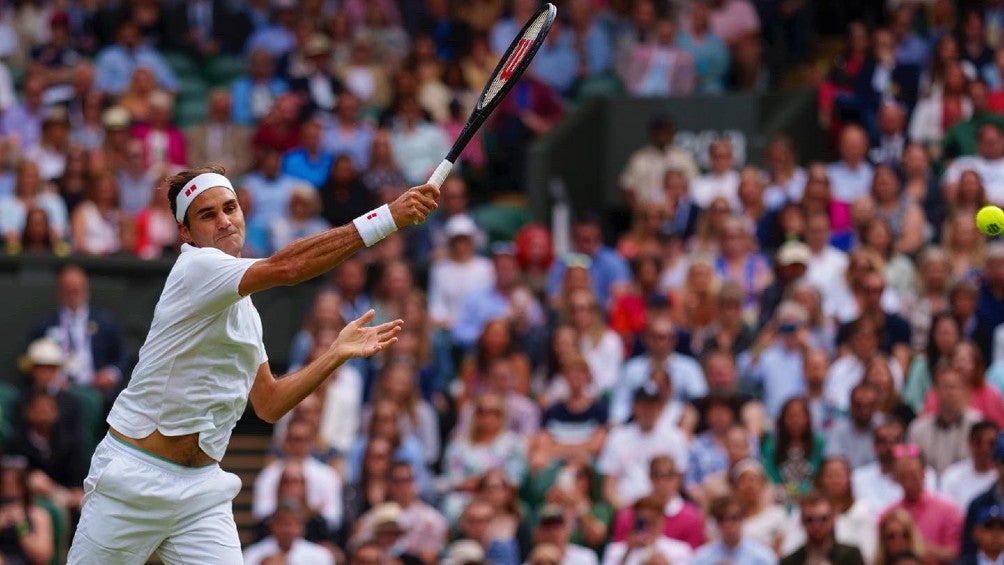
371,215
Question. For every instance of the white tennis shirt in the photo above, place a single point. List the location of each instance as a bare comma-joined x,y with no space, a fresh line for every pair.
200,358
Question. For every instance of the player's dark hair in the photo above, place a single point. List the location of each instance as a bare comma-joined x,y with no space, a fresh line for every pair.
177,182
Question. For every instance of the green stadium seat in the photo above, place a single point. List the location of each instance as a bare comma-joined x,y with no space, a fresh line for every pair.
221,70
180,63
501,220
598,86
60,528
92,404
9,396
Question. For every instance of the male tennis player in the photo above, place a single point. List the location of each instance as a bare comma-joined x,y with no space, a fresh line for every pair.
155,484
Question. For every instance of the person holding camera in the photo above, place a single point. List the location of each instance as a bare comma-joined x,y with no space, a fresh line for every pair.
26,531
647,539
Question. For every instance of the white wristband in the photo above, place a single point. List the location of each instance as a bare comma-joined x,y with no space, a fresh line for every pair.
375,225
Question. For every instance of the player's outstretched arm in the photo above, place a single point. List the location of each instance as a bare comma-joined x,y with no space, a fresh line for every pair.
272,397
311,256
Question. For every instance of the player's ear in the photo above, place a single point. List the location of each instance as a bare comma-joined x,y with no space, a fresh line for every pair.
186,234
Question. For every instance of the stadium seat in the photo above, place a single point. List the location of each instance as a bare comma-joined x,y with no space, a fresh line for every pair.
60,528
223,69
501,220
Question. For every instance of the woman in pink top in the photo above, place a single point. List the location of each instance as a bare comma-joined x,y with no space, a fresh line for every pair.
966,358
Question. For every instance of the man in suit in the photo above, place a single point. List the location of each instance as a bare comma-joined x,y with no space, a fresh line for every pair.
820,544
989,537
212,27
90,338
313,80
219,139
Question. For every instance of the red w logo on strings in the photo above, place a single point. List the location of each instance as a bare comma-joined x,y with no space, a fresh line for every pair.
517,55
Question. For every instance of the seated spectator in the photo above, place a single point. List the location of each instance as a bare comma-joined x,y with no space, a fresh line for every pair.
682,520
938,519
367,552
293,489
50,152
849,369
898,536
315,84
660,342
163,142
557,63
764,521
371,487
817,515
708,453
893,331
475,524
22,122
854,518
851,175
710,54
26,528
887,400
987,534
286,541
572,488
963,481
497,352
255,93
851,437
739,444
136,181
793,452
398,383
960,139
983,396
891,140
323,484
775,362
929,297
29,192
943,336
345,197
730,334
116,63
573,426
942,435
732,544
658,67
303,219
986,162
365,74
279,129
630,448
418,145
874,483
906,228
347,133
486,445
309,162
220,138
36,238
941,109
553,535
383,423
425,527
89,336
722,180
97,225
739,262
647,172
268,186
646,539
136,98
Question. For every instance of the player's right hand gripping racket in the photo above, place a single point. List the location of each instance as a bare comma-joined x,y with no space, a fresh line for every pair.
507,73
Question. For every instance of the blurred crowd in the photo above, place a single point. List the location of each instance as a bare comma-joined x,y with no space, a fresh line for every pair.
781,361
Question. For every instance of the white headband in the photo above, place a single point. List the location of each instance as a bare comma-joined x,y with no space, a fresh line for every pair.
197,186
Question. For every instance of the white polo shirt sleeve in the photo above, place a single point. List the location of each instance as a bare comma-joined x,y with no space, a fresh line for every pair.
212,278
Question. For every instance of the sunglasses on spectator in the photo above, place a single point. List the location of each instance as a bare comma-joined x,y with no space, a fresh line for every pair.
818,519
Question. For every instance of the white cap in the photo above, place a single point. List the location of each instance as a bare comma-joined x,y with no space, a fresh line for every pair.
460,225
794,252
463,551
45,351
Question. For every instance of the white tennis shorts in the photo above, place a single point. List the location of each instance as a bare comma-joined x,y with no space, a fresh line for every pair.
136,504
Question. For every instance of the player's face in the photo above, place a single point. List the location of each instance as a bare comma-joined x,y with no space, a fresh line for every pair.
215,220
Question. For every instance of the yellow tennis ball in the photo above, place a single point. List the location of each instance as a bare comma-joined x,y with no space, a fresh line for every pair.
990,220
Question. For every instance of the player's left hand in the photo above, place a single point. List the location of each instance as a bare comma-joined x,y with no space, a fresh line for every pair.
358,340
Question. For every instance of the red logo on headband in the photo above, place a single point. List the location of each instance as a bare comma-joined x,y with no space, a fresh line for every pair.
190,190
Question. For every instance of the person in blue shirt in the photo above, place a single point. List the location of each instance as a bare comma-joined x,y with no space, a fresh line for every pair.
309,162
269,187
607,269
254,93
557,63
711,55
731,547
116,63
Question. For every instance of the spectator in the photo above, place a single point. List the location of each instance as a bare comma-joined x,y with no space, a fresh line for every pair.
732,544
942,435
426,527
898,536
710,54
89,336
459,274
36,238
398,383
155,228
888,402
929,298
851,437
658,67
990,310
50,152
790,264
220,139
988,538
576,424
309,162
475,524
275,34
303,219
163,142
733,19
136,98
135,181
941,109
383,423
890,144
372,486
27,528
279,129
383,172
316,85
270,188
22,122
764,521
417,144
213,28
286,540
116,63
254,94
722,180
983,397
937,518
647,171
553,531
874,483
323,484
364,74
660,342
529,111
646,539
29,192
964,481
367,552
960,139
682,520
497,344
739,262
904,225
817,516
793,453
851,175
630,448
848,369
557,63
293,489
854,518
986,162
98,225
345,196
780,350
730,334
347,133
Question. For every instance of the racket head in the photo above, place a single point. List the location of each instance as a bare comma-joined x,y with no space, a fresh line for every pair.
507,73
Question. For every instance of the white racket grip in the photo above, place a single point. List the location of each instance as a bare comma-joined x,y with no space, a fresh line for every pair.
440,174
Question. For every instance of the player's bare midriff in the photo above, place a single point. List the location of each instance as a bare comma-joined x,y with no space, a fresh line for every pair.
183,450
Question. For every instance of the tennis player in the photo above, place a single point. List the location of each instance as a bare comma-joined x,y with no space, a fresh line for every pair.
155,484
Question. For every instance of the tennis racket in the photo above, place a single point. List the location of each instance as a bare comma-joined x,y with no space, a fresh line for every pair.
506,74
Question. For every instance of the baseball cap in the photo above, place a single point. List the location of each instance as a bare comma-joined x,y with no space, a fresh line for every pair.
794,252
386,516
116,117
463,551
579,260
990,514
460,225
745,466
46,352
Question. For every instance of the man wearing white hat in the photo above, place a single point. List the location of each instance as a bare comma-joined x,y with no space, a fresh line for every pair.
461,273
155,484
